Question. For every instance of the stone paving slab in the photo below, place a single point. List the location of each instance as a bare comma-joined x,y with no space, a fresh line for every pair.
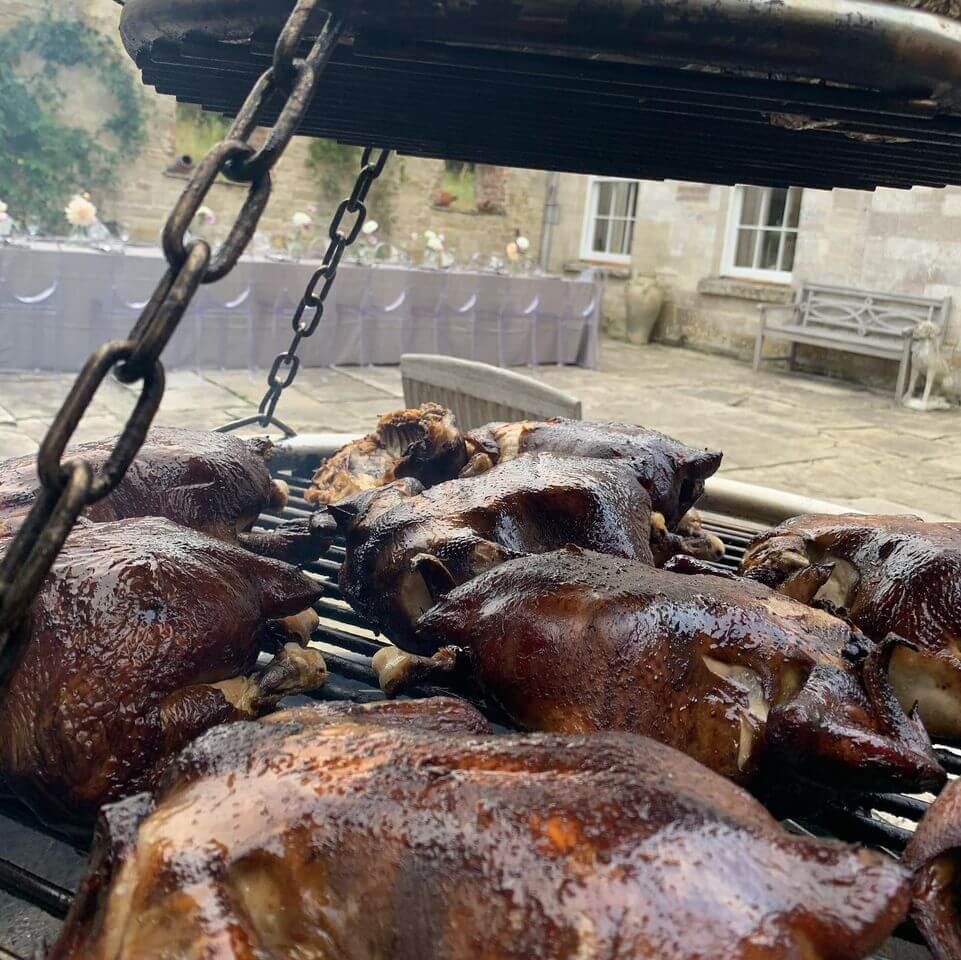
813,436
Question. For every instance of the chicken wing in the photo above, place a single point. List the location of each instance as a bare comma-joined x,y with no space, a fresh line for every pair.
886,575
407,546
143,635
754,685
211,482
404,832
423,443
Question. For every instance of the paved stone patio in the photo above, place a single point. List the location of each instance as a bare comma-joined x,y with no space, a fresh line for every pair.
794,432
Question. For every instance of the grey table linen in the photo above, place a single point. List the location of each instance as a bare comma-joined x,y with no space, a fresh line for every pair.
59,303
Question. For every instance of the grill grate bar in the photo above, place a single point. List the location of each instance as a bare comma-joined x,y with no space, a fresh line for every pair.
948,759
857,826
50,897
339,611
910,808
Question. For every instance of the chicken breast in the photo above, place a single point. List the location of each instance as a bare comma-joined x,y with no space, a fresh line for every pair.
405,831
758,687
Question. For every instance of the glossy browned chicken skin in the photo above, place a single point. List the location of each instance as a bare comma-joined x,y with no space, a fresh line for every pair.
405,832
756,686
144,635
673,473
212,482
407,546
423,443
934,853
886,575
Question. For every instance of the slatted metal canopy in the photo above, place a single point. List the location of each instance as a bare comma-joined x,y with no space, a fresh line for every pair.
812,93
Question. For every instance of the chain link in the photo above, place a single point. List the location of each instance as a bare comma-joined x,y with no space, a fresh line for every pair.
283,372
66,489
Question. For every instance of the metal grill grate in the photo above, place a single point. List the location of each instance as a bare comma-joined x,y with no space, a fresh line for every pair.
40,869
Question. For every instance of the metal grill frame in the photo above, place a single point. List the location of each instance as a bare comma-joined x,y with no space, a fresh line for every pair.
810,93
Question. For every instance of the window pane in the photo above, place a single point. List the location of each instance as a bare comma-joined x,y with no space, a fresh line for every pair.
793,207
751,206
625,199
599,243
744,255
770,245
619,230
775,210
605,191
787,256
629,238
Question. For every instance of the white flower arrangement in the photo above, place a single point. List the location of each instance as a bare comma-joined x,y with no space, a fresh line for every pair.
80,212
517,249
434,241
302,221
369,227
205,216
3,212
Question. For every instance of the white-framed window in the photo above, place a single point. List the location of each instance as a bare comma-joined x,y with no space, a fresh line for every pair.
762,231
609,217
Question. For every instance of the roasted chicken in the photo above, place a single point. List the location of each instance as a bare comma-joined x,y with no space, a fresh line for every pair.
143,635
758,687
934,853
885,575
211,482
423,443
673,473
406,832
407,546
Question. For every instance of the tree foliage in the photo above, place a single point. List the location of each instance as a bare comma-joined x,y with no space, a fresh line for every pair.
43,158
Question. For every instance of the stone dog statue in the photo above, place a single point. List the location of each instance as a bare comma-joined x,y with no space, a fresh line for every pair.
928,357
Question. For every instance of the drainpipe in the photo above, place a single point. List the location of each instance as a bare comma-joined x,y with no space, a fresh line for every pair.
551,218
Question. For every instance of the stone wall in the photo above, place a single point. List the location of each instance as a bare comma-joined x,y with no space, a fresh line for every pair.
906,242
401,201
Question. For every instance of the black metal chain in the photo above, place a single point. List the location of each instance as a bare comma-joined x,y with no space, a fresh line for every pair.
67,488
286,365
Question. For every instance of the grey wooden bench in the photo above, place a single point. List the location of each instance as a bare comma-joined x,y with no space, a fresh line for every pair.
479,393
855,321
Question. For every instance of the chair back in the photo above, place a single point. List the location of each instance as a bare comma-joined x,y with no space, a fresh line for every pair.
478,393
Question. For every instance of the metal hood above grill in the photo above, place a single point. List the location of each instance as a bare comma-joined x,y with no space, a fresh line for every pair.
814,93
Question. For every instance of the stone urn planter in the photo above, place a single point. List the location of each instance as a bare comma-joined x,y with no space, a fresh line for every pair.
645,297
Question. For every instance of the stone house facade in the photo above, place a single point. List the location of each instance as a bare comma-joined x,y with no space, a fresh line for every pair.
699,241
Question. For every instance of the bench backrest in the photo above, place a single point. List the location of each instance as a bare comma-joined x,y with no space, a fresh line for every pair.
868,313
478,393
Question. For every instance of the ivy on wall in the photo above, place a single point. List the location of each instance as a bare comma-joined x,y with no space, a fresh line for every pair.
335,166
44,159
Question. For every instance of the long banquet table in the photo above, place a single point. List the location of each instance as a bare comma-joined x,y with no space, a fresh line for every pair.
58,302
